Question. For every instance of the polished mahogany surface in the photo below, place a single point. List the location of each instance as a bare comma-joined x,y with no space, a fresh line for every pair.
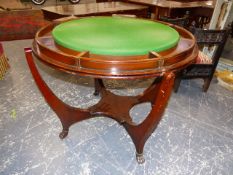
175,4
93,9
198,13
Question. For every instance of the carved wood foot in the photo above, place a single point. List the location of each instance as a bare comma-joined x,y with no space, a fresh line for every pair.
206,84
160,91
63,134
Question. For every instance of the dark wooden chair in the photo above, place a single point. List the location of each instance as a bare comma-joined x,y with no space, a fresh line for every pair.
182,22
205,66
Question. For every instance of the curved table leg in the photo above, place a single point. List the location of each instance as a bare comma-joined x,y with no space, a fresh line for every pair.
68,115
111,105
158,94
99,86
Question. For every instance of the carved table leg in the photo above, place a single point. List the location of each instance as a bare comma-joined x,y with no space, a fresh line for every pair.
99,86
68,115
111,105
158,94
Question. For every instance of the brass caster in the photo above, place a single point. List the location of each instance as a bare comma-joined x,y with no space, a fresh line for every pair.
140,158
63,134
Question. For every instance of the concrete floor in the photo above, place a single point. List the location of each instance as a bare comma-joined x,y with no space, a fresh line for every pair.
194,137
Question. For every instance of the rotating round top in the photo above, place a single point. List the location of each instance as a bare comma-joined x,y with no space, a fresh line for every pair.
116,36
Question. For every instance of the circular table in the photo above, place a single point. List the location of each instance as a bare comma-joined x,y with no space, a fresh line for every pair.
114,48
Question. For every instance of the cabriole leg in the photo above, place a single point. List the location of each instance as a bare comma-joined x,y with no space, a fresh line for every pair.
161,93
68,115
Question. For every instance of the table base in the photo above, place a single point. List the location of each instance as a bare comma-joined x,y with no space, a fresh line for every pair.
112,106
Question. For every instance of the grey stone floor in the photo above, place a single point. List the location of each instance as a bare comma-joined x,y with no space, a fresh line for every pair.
194,137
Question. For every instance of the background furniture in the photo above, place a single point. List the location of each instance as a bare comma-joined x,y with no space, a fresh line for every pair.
13,5
198,12
20,24
94,9
205,67
182,22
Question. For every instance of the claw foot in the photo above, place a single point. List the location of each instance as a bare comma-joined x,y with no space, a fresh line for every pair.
63,134
140,158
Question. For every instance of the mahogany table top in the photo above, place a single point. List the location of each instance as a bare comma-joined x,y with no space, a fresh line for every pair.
86,63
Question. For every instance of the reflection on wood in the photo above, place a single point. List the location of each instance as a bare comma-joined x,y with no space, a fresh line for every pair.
94,9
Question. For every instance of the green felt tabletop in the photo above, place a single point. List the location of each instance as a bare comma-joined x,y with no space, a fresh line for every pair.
119,36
